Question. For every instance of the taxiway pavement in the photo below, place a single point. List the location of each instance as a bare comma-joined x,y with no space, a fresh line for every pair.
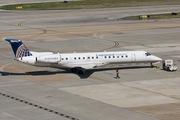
47,93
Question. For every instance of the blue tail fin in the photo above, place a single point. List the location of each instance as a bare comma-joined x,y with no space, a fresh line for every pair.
19,49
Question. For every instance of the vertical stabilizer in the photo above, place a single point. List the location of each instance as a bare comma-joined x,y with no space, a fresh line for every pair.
19,49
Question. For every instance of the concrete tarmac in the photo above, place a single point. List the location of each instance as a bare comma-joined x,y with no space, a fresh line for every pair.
142,93
8,2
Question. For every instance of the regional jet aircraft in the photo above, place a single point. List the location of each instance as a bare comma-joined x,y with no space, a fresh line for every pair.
78,62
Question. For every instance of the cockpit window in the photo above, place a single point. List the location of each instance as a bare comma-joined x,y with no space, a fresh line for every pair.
147,54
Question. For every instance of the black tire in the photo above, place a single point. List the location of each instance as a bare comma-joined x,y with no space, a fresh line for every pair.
81,71
164,66
73,70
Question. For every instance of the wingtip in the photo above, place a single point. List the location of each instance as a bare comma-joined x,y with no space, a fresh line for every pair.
4,38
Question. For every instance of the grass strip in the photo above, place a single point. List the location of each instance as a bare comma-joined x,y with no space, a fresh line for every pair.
89,4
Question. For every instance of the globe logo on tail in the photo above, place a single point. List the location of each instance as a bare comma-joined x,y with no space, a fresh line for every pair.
22,51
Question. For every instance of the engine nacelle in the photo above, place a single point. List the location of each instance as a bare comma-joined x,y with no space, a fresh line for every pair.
54,58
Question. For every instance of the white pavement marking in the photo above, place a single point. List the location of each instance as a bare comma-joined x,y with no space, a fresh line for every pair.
102,36
178,56
10,85
94,35
12,116
6,56
1,68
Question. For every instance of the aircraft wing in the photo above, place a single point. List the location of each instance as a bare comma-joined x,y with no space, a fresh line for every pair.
84,65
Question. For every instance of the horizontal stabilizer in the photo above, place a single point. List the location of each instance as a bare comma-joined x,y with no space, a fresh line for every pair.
13,40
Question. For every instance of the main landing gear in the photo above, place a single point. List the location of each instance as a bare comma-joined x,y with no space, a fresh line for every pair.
79,71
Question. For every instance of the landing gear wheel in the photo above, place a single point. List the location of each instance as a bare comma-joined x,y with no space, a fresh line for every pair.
73,70
81,71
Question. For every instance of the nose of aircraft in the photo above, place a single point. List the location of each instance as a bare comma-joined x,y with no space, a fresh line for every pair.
155,58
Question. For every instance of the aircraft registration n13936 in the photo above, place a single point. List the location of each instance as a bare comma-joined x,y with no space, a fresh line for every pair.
78,62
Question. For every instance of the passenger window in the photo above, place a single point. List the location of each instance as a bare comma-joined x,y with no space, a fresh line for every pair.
117,56
126,56
109,56
62,58
88,57
122,56
79,58
92,57
113,56
83,57
75,58
97,57
66,58
104,56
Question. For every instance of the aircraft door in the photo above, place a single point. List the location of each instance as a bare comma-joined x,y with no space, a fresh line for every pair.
60,58
133,57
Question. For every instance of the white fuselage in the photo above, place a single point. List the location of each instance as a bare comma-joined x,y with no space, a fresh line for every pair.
88,60
78,62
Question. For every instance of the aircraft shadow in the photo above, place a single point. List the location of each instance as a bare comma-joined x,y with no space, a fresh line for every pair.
84,76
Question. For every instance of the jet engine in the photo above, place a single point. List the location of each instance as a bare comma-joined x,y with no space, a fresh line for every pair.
54,58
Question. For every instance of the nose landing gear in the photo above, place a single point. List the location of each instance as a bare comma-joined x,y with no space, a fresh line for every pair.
151,65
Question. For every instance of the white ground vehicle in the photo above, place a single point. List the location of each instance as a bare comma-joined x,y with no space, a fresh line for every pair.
168,65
